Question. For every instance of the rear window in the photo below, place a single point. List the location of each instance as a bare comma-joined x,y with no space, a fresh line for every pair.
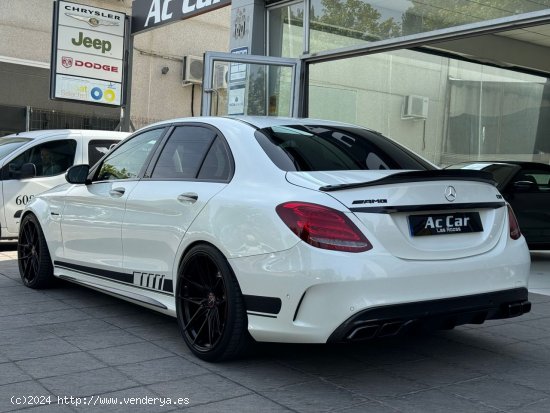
328,148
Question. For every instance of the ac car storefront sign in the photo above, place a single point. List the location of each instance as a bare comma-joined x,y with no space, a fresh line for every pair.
88,54
148,14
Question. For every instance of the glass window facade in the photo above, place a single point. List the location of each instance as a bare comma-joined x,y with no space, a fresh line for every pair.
447,110
341,23
334,24
286,30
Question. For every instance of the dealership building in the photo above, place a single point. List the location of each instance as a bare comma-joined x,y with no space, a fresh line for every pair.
454,80
158,90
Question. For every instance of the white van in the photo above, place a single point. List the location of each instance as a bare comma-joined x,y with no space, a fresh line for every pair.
33,162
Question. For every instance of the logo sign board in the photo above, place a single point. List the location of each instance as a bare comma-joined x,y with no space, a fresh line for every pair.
91,18
148,14
79,40
88,55
88,90
83,65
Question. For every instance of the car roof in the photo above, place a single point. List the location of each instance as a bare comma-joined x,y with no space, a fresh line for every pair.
40,134
260,122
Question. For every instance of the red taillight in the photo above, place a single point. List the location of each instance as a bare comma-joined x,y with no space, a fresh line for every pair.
515,232
323,227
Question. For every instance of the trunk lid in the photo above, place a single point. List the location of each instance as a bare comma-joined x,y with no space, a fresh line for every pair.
427,215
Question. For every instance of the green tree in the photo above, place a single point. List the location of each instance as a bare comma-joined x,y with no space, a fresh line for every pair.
352,18
433,15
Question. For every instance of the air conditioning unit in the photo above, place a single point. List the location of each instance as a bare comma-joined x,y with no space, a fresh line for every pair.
415,107
192,69
221,72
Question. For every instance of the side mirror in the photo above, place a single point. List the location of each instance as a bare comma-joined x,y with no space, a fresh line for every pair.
77,174
28,170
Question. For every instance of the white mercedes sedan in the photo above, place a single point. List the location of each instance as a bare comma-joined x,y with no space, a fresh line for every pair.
280,230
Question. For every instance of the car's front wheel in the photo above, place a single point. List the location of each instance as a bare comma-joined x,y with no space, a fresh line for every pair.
210,306
35,264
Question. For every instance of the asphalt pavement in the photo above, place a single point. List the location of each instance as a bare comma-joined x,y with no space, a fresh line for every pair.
71,349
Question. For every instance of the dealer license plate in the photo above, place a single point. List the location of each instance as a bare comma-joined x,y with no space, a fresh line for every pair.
439,224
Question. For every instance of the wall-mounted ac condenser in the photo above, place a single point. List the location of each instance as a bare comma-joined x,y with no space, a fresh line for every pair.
415,107
192,69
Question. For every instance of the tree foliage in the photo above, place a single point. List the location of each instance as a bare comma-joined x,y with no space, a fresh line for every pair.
359,19
353,18
433,15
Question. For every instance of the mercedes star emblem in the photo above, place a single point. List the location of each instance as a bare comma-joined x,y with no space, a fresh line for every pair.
450,193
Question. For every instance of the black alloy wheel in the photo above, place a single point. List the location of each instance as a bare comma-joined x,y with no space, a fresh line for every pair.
35,264
210,306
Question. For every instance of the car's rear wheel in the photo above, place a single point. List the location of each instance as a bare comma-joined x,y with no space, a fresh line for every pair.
210,306
35,264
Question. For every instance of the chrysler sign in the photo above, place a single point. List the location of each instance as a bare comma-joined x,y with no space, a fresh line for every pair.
148,14
88,54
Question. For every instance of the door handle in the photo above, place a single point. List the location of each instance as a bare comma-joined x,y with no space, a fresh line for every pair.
117,192
188,198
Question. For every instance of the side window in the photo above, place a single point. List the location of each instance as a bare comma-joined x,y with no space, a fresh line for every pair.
127,160
97,148
50,158
217,164
539,180
183,154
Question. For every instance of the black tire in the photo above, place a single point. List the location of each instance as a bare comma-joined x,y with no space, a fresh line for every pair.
210,306
35,263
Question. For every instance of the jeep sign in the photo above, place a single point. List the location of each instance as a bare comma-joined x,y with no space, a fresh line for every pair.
148,14
88,54
98,44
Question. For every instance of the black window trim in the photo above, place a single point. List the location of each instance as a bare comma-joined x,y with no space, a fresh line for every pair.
94,171
218,135
95,140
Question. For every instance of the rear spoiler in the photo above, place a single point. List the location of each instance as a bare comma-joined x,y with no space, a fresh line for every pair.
420,176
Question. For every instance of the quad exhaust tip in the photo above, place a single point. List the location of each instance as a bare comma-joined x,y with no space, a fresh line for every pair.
390,329
380,329
517,309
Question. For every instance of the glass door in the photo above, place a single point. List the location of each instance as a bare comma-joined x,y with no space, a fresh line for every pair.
240,84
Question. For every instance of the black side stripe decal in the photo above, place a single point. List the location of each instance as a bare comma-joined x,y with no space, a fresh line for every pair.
268,305
116,276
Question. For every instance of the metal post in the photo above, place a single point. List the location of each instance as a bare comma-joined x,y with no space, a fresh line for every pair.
28,119
125,122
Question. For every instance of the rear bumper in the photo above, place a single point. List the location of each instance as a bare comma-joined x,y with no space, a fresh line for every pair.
446,313
318,290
